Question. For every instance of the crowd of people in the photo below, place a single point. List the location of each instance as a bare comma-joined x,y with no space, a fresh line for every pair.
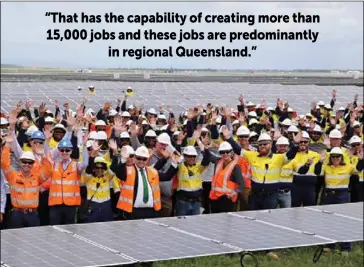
124,163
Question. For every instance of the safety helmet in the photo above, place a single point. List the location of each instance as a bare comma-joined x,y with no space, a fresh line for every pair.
31,130
337,151
225,146
164,138
65,143
242,130
335,134
264,137
190,151
142,152
150,133
37,135
27,155
101,135
282,141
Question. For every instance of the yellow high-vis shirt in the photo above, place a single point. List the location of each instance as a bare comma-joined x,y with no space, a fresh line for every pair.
338,177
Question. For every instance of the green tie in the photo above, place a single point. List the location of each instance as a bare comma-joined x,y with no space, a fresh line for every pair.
145,187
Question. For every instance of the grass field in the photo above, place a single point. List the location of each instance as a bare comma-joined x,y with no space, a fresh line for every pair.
301,257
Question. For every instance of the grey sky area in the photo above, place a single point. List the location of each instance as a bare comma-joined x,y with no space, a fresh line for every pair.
339,45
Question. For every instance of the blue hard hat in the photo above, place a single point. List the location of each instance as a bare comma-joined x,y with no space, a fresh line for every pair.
65,143
37,135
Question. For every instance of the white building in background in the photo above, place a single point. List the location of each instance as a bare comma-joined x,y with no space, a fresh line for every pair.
355,74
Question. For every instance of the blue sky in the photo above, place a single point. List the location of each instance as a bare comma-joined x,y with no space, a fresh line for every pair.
339,46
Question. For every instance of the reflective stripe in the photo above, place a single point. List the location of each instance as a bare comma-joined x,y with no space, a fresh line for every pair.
343,176
155,188
127,187
24,190
42,176
265,171
286,180
336,186
24,202
224,188
256,180
7,171
64,194
156,200
63,182
287,172
189,189
124,199
307,174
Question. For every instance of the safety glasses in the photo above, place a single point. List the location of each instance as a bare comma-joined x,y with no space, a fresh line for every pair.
62,150
38,142
224,152
243,136
27,162
141,159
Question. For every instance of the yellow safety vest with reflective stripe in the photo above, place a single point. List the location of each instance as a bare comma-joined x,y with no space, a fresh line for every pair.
260,173
354,160
190,183
102,193
338,177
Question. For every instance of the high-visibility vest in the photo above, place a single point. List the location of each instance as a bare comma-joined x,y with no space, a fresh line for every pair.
354,160
53,143
65,186
189,183
126,199
338,177
221,184
263,177
24,192
245,171
27,148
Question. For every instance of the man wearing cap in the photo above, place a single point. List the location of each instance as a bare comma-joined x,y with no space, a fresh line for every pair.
304,181
24,186
356,181
140,195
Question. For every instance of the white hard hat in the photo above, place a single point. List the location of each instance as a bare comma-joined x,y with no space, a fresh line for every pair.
341,109
252,114
129,87
150,133
289,109
142,152
59,126
164,138
250,104
305,135
219,119
131,107
252,134
164,127
336,150
101,135
144,122
282,141
112,112
124,135
317,107
204,129
302,117
270,109
253,121
3,121
258,106
355,139
152,111
264,137
327,106
92,135
335,134
185,122
321,103
190,151
49,119
242,130
89,143
129,122
27,155
317,128
236,122
292,129
100,123
286,122
225,146
31,129
309,115
125,114
162,117
356,123
89,111
130,150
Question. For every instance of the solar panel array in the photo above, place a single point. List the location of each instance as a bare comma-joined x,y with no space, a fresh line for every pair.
127,242
179,95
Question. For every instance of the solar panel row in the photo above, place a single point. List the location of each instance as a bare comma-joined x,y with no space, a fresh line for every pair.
126,242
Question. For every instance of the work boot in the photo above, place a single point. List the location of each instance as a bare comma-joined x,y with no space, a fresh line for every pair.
272,256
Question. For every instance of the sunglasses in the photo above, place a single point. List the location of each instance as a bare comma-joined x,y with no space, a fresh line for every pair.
99,168
225,152
335,156
316,133
263,144
304,142
124,139
65,150
141,159
355,145
89,148
49,123
27,162
243,136
189,156
38,142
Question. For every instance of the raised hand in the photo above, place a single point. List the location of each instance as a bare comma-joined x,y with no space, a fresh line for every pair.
323,156
133,129
297,137
112,145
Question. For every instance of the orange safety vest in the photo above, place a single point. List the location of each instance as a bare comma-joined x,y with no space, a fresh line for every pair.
126,199
65,186
245,171
221,184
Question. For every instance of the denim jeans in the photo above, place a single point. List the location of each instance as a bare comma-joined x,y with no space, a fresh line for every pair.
284,199
263,201
185,208
337,197
101,212
19,219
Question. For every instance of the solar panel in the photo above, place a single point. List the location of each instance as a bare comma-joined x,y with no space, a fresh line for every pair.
349,210
145,241
249,235
336,228
48,247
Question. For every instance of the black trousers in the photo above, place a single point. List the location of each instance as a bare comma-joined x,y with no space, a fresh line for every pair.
43,208
222,204
62,214
141,213
206,201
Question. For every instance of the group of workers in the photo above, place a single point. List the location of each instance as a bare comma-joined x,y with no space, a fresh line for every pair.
64,167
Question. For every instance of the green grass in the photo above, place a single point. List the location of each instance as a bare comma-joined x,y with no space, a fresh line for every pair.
300,257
